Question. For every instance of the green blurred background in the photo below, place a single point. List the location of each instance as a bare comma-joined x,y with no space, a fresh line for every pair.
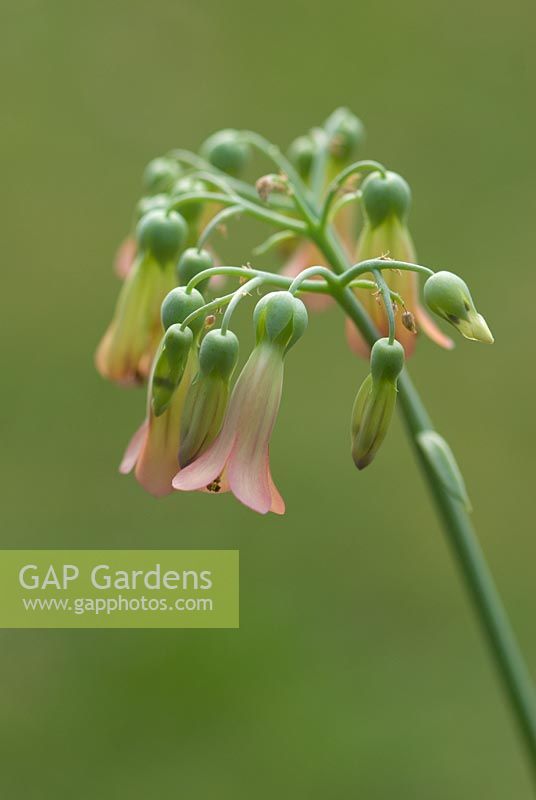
358,670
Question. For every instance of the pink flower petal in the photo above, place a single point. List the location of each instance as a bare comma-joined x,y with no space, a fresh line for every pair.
249,482
209,466
134,448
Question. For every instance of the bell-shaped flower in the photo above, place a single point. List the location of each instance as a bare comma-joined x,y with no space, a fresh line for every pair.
238,459
386,203
128,346
375,401
448,296
153,450
208,394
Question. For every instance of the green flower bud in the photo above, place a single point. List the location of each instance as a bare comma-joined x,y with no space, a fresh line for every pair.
206,401
384,197
146,204
301,153
179,304
386,360
159,175
348,135
218,354
225,151
448,296
191,211
169,366
375,401
280,318
191,263
162,234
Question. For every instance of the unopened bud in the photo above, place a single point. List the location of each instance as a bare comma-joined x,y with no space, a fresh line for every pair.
448,296
385,196
170,363
159,175
179,304
154,202
161,234
375,401
301,153
191,263
348,135
190,210
226,151
280,318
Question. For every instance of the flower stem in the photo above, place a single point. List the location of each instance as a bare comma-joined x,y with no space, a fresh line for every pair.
481,588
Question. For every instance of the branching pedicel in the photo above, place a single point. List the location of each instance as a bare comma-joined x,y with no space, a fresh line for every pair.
201,434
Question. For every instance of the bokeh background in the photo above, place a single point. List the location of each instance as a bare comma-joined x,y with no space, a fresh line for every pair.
358,669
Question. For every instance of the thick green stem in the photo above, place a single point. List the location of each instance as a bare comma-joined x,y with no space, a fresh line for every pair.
493,618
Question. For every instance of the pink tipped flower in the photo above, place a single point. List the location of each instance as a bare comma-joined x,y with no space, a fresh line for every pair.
386,202
238,459
153,451
126,350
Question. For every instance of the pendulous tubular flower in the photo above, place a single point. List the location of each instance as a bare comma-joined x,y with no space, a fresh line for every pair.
128,346
208,394
386,205
375,401
448,296
169,365
238,459
153,450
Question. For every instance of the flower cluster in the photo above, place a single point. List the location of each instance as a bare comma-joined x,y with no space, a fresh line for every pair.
204,430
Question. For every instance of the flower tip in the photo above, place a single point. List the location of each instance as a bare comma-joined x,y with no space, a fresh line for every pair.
481,328
476,329
364,461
